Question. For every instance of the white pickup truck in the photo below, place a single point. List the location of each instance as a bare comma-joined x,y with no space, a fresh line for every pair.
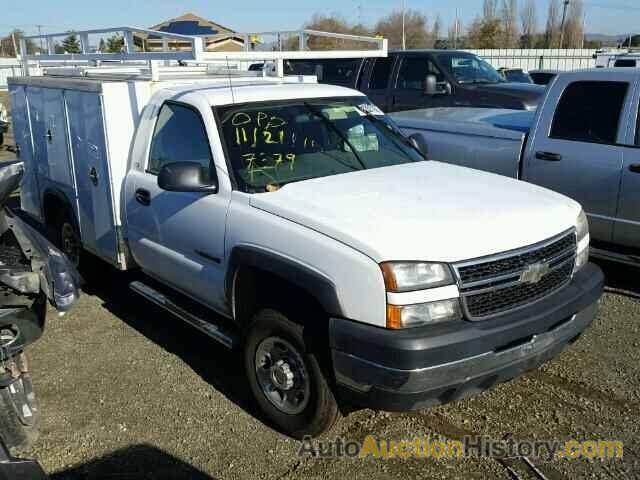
583,142
292,220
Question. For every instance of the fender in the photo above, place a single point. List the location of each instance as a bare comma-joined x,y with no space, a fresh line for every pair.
311,281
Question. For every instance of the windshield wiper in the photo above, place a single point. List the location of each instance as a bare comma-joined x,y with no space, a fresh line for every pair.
342,136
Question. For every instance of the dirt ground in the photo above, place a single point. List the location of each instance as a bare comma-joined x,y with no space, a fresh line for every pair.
127,391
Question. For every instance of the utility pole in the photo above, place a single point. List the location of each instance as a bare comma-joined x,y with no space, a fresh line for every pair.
404,36
564,17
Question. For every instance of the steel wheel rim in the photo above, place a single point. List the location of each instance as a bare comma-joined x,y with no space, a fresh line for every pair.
70,243
282,375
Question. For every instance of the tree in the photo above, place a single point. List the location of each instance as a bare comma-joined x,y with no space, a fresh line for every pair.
528,22
574,25
632,41
489,10
11,43
330,23
552,31
485,33
416,31
71,44
437,29
509,14
115,44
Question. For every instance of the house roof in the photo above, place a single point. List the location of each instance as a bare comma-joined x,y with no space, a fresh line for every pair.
190,24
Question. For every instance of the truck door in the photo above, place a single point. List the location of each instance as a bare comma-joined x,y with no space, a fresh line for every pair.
575,149
56,136
379,80
178,237
409,90
29,190
627,228
95,205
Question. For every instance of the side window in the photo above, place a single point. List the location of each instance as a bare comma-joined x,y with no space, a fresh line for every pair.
414,71
381,73
179,136
590,112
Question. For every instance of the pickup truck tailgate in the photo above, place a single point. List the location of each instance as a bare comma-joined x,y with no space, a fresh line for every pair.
487,139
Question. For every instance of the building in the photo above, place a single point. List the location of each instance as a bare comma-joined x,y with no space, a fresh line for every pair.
217,37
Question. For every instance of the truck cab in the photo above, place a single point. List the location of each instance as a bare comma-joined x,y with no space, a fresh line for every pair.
413,79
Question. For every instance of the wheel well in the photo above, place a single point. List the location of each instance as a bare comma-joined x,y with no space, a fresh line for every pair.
254,289
54,208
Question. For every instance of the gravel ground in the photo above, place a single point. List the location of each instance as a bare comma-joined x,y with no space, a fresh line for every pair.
127,391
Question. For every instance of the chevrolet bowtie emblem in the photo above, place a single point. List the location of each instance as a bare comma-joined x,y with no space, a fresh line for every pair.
534,273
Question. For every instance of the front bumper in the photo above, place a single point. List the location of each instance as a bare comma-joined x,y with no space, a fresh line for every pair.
416,368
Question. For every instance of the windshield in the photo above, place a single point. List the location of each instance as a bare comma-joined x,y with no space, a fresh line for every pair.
275,143
467,68
517,76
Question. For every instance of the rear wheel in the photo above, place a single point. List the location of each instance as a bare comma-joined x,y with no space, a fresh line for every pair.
286,378
18,405
66,236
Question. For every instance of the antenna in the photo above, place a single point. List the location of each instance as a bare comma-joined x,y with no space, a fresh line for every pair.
233,98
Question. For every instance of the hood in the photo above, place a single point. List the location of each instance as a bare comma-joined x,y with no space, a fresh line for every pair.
530,94
427,211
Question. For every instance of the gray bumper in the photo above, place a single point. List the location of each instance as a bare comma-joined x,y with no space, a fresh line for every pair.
388,375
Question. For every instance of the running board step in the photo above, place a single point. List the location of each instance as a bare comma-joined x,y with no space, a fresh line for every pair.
219,334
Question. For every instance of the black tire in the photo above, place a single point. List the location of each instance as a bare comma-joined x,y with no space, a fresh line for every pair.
1,139
86,263
321,411
19,413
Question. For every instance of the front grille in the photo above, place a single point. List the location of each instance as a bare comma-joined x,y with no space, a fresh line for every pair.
497,285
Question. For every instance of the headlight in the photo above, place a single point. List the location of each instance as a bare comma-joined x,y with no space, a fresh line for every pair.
407,316
410,276
582,237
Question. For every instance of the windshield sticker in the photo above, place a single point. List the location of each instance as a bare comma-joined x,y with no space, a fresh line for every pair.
371,109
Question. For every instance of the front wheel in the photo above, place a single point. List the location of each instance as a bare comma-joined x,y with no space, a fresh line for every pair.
286,378
18,405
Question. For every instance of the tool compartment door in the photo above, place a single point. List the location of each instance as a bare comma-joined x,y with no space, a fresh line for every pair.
29,190
91,169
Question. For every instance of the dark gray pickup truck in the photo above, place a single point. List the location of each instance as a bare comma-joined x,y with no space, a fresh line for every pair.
412,79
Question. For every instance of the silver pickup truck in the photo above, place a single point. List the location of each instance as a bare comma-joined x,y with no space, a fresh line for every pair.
583,141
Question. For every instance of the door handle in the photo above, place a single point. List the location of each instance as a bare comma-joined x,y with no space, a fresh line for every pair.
48,136
93,176
635,167
143,197
549,156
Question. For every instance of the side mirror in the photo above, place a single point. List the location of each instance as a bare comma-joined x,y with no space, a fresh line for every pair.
186,177
420,144
431,85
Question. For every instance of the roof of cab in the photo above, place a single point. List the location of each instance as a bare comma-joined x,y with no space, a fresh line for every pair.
250,92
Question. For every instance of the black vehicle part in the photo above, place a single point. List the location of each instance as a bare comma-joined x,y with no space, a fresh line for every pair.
311,282
12,468
18,404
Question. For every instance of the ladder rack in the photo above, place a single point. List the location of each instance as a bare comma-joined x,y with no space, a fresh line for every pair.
188,49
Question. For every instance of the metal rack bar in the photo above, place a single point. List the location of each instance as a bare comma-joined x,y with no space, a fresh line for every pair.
195,47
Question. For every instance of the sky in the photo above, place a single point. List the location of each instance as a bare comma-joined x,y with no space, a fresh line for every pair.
602,16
